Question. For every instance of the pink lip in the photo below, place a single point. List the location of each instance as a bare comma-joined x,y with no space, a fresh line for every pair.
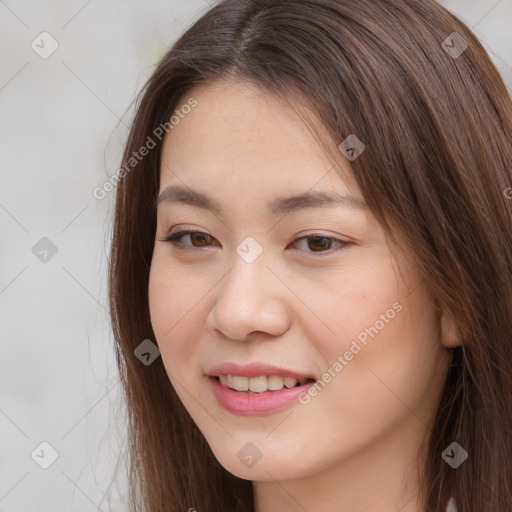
241,402
245,403
254,370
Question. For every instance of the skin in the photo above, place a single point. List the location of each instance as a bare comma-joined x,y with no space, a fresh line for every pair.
354,446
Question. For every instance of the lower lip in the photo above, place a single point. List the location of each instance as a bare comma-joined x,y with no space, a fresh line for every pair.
240,402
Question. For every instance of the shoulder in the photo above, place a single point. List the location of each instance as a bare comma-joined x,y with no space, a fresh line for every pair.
451,506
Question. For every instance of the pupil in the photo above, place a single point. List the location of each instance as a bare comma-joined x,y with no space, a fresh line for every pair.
199,235
316,238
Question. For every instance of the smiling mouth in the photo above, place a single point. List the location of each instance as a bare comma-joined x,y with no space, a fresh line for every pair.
259,385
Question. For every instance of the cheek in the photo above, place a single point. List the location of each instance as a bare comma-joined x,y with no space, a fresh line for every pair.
353,300
162,303
171,292
383,345
173,307
387,369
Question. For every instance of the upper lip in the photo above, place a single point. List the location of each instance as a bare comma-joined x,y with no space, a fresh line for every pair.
255,370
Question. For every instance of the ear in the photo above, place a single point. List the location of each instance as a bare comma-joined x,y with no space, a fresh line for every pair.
449,335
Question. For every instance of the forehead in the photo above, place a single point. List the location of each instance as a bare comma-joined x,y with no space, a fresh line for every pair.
243,138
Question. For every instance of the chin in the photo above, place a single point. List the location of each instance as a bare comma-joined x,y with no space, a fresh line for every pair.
247,461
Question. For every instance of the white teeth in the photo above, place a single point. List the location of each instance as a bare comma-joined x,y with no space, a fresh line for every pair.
275,382
290,382
259,384
241,383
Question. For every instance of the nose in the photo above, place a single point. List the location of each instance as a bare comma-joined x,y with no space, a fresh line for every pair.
250,299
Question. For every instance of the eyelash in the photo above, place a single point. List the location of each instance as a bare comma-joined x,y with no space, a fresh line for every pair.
189,248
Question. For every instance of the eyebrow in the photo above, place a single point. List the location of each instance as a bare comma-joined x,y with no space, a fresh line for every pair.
278,206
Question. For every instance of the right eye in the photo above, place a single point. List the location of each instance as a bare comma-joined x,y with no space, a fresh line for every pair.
173,239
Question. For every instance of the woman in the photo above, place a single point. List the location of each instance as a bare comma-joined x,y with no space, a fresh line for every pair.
368,372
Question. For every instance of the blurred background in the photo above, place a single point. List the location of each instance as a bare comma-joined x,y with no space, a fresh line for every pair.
69,72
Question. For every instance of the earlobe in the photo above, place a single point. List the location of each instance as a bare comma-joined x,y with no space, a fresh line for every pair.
449,335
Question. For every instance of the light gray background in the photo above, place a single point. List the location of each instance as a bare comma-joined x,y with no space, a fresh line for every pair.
63,123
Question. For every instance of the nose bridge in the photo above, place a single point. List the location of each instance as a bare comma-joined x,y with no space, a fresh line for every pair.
247,298
249,267
244,283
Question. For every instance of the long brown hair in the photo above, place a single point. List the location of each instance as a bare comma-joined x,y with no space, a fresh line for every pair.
436,120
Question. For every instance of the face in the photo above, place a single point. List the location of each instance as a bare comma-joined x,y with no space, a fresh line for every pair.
267,287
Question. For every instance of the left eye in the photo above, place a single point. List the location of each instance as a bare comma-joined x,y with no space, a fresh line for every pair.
319,243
